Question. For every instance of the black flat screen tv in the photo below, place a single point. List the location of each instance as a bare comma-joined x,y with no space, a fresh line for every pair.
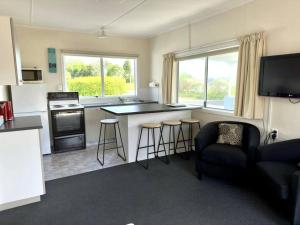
280,76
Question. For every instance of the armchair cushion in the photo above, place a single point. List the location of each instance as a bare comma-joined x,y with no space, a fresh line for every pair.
231,134
277,176
225,155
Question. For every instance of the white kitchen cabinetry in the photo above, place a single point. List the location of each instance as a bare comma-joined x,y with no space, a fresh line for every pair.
10,60
21,165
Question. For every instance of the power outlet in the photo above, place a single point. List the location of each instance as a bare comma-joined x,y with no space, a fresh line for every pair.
274,133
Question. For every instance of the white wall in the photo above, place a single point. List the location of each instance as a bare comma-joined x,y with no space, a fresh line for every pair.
280,19
34,42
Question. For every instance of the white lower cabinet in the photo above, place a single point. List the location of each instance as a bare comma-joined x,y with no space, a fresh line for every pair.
21,168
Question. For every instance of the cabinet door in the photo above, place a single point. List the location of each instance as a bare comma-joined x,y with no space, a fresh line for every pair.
10,70
21,169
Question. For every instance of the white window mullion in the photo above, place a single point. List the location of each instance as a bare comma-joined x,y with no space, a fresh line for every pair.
205,81
102,76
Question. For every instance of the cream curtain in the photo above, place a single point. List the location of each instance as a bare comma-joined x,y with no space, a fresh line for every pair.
248,104
169,79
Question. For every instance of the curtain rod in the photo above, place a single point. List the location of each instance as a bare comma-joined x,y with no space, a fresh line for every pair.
210,45
92,53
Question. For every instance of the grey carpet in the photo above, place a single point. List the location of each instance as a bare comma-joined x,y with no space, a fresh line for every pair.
163,195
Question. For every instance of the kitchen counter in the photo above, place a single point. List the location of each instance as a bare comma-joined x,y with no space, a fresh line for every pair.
22,123
98,105
145,108
132,116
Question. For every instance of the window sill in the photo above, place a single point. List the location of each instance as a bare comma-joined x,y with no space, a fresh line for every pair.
218,112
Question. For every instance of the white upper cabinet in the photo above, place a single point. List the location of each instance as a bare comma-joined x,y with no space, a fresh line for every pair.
10,60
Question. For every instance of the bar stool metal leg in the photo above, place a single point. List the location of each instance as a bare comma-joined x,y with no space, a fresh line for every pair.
180,132
124,155
161,139
190,137
99,140
155,151
161,142
153,141
139,142
99,143
174,141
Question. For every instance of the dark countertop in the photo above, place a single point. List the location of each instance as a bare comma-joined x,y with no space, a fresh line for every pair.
98,105
22,123
145,108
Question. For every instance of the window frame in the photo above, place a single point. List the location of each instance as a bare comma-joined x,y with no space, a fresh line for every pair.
101,56
205,55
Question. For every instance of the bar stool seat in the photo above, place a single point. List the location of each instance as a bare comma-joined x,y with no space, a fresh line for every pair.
151,125
171,122
190,121
109,121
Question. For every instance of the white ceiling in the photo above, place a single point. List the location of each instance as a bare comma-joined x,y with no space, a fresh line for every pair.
143,18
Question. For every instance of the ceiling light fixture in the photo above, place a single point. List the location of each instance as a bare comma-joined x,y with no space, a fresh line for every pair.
101,33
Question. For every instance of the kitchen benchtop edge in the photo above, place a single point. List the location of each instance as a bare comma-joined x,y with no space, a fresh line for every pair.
144,109
22,123
97,105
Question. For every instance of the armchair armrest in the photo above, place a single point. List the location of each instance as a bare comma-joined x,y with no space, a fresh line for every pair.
206,136
286,151
295,198
252,142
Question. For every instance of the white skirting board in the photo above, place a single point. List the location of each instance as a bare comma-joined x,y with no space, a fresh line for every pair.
15,204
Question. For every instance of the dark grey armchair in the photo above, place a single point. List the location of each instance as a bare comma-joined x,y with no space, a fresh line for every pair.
278,172
223,160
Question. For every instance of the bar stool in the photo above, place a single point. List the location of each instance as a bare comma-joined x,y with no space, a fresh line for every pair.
190,123
114,123
152,127
171,124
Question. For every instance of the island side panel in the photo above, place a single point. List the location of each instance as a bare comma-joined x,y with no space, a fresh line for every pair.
133,130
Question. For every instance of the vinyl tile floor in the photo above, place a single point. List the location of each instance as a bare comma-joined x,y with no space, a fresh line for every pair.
76,162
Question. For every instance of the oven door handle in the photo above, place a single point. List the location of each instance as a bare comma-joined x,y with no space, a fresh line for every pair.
67,113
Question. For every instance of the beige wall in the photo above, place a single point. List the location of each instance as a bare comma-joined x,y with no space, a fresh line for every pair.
33,44
280,19
3,93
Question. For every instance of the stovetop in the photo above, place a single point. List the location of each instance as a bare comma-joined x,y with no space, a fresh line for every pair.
65,106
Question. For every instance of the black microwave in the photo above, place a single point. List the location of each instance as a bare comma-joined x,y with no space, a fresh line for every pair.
32,75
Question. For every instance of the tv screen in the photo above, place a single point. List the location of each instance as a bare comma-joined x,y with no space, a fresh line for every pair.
280,76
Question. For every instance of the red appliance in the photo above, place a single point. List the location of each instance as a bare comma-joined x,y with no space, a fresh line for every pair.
6,110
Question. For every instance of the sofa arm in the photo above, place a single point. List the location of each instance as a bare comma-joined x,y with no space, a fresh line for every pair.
286,151
295,198
206,136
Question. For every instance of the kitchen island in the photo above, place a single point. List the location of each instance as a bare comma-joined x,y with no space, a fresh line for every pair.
132,116
21,168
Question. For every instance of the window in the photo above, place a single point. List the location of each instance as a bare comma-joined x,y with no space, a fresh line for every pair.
100,76
209,79
191,81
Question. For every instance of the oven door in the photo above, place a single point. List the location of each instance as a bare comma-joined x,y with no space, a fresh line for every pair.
68,122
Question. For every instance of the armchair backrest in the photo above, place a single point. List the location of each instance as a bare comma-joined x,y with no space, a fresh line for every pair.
251,134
